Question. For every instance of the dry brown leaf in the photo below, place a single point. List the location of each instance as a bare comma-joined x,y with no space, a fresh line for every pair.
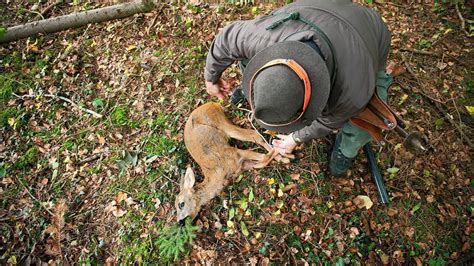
384,258
451,210
418,261
289,187
410,231
362,201
430,198
354,232
120,197
53,246
295,176
398,255
118,212
392,212
101,140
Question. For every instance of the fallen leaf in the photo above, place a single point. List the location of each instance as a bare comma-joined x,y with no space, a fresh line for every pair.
392,212
415,208
430,198
398,255
383,257
120,197
289,187
53,246
244,229
410,231
295,176
362,201
354,232
131,47
451,210
119,212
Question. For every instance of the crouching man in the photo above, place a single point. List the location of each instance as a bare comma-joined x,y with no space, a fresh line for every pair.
308,67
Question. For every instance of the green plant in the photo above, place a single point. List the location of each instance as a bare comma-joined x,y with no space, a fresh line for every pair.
3,31
6,87
30,157
120,116
174,240
3,169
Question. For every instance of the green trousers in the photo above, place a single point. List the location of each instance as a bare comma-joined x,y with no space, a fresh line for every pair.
353,137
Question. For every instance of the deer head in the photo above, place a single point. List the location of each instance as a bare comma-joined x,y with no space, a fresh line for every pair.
187,203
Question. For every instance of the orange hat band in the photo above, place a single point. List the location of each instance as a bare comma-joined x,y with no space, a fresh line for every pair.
299,70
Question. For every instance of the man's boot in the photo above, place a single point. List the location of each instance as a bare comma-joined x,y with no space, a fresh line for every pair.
339,164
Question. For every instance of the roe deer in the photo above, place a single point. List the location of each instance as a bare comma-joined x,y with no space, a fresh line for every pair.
206,135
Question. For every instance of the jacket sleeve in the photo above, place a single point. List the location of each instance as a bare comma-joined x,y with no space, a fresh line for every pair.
241,40
228,46
316,130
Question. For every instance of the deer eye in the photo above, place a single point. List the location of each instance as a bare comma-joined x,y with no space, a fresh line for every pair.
181,205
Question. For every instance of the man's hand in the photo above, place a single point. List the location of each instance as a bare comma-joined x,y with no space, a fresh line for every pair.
221,89
285,144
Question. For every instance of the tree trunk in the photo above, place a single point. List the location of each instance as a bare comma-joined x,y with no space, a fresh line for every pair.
79,19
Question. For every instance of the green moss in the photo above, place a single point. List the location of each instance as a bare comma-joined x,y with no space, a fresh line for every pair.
6,88
119,116
9,113
160,145
28,158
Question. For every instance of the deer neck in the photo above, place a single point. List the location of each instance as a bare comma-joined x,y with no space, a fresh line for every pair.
211,186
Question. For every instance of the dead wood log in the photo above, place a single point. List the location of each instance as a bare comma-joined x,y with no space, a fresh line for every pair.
78,19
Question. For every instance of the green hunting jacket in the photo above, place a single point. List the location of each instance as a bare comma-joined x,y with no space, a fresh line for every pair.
360,41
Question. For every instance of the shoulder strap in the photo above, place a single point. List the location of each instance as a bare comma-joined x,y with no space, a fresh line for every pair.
296,16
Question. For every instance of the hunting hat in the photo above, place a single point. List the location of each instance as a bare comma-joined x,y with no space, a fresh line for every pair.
287,86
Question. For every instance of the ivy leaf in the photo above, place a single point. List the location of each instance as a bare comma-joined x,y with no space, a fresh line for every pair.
251,196
3,170
329,233
97,102
415,208
393,170
231,213
244,229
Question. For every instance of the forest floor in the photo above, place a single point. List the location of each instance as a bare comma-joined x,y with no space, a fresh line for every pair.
78,188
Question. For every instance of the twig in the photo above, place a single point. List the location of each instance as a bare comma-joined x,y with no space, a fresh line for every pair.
463,21
416,51
169,179
34,198
48,8
90,159
38,14
94,114
410,70
158,12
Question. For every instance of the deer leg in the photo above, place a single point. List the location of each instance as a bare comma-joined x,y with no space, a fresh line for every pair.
253,159
244,134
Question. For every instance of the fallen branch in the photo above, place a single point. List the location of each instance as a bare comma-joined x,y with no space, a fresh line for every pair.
79,19
94,114
463,21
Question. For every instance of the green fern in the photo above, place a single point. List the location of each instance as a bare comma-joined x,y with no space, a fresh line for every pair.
173,241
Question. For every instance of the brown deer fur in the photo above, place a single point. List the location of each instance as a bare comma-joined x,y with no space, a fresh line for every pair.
206,136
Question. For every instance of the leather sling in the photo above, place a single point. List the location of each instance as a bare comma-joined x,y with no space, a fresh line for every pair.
375,117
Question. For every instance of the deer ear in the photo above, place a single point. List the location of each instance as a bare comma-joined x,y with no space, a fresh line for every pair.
188,181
